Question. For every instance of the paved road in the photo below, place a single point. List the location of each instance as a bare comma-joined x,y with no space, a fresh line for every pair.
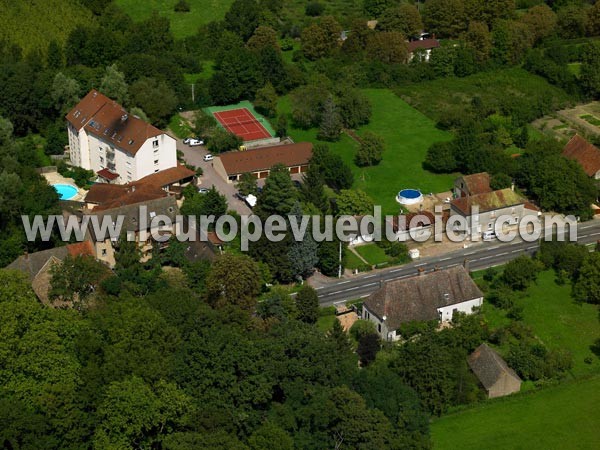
193,156
479,256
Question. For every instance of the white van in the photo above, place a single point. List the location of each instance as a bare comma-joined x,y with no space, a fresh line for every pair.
488,235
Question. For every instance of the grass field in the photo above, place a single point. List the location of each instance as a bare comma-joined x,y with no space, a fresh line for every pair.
373,253
182,24
562,417
352,261
407,133
32,25
450,96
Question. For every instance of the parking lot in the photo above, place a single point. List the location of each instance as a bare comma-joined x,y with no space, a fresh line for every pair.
194,156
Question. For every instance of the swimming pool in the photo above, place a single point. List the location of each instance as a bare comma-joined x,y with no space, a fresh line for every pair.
65,191
409,197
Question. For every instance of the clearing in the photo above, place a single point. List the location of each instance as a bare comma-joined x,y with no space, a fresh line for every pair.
183,24
560,417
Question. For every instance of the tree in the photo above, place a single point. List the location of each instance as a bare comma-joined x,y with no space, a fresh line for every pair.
404,18
210,204
65,92
445,18
314,9
223,141
182,6
354,108
313,188
303,253
278,195
155,97
55,58
268,433
511,40
479,38
281,126
329,259
370,151
56,140
388,47
331,124
593,20
571,21
113,84
242,18
233,280
590,69
307,105
520,272
278,304
336,174
247,184
440,158
374,8
541,21
354,203
368,347
307,303
263,37
314,43
266,100
587,287
76,278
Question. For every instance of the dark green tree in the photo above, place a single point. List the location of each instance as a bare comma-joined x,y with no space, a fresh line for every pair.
266,100
242,18
307,303
278,195
370,151
313,188
303,253
233,280
155,97
247,184
331,123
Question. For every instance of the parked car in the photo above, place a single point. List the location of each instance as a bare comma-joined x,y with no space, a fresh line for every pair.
195,142
488,235
203,190
208,157
187,140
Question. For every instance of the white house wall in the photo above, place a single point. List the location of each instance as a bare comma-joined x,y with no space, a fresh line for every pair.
467,307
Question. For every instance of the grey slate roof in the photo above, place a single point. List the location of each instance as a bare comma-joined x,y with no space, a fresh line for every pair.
419,297
32,263
166,206
488,366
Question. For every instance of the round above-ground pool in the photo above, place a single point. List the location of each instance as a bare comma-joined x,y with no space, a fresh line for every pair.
409,197
65,191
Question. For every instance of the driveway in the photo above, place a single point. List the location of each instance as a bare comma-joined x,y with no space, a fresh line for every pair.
194,156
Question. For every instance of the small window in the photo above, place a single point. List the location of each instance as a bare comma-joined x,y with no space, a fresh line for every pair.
156,170
379,327
156,161
101,160
103,252
490,226
155,143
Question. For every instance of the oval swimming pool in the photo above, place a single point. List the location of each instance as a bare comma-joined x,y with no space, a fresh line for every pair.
65,191
409,196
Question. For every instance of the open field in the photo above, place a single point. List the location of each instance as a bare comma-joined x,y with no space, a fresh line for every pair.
451,96
182,24
561,417
407,133
32,25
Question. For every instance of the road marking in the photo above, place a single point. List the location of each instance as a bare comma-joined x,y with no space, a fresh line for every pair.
316,289
594,234
370,276
397,270
485,257
344,282
422,264
502,254
470,253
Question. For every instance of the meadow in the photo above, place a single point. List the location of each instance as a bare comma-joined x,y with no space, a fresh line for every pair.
560,417
183,24
407,134
32,25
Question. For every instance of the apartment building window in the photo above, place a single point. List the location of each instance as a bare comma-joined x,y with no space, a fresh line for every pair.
156,161
101,160
155,143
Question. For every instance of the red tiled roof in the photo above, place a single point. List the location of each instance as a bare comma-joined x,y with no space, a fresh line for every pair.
107,174
425,44
478,183
84,248
168,176
109,121
108,196
490,201
260,159
585,153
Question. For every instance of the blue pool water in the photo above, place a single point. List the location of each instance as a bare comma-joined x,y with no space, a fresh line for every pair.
410,193
65,191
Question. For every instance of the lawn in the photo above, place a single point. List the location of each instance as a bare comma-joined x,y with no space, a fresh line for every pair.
451,96
561,417
407,133
352,261
373,253
182,24
179,127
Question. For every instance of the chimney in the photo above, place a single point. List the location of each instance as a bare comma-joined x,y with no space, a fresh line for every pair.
124,117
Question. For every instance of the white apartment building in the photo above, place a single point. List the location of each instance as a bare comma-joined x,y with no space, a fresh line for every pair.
117,146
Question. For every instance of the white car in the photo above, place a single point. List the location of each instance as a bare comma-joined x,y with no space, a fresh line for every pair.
203,190
208,157
195,142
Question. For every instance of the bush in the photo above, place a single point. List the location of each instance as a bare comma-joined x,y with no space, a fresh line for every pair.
182,6
314,9
286,44
362,328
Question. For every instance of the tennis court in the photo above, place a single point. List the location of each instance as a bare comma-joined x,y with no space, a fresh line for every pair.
242,123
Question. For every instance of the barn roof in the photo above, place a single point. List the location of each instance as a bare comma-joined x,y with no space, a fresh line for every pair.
585,153
264,158
488,366
490,201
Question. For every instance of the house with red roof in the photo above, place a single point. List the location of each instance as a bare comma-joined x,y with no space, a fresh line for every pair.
586,154
119,147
